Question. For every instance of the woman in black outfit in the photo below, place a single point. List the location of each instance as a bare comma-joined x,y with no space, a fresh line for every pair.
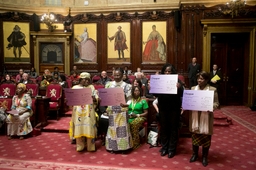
169,111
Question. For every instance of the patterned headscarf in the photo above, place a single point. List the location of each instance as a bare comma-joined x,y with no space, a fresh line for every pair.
21,85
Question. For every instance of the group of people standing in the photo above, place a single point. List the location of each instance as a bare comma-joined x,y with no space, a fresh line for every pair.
126,119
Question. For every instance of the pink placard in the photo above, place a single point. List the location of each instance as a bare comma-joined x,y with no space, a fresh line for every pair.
78,96
111,96
13,112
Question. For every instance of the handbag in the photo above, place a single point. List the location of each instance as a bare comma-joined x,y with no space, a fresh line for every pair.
152,138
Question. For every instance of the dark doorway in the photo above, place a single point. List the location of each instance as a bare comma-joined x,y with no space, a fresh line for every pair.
230,51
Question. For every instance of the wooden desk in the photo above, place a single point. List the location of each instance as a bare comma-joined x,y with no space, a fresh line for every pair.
42,110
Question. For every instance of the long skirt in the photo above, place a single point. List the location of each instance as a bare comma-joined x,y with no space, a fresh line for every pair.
19,125
135,127
201,140
118,136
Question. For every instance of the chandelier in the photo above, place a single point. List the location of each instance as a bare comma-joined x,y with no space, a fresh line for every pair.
49,19
233,7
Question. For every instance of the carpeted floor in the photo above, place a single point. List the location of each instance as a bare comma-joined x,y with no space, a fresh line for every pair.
233,148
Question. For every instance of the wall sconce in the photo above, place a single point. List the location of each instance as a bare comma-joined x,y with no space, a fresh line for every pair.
49,19
233,7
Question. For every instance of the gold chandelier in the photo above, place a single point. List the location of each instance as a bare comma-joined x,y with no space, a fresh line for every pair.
49,19
233,7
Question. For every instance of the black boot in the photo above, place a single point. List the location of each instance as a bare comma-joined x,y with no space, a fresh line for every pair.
195,153
205,155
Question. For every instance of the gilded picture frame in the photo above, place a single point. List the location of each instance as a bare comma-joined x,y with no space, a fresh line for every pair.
154,48
16,42
85,43
118,42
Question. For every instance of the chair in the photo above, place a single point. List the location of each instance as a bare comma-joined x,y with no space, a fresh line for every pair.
98,86
33,88
182,79
131,78
95,78
7,90
69,82
54,91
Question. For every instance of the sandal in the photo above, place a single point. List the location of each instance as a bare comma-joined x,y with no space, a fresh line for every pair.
21,138
9,137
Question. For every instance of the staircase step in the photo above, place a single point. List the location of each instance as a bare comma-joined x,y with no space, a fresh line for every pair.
61,125
220,123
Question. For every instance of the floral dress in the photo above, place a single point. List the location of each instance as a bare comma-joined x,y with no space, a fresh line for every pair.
20,125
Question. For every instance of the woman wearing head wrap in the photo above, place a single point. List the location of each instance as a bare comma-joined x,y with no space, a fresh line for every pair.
83,121
19,124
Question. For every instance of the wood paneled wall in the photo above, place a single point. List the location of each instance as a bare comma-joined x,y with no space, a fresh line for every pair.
184,37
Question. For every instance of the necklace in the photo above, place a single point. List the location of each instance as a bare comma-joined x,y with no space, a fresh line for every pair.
134,102
18,100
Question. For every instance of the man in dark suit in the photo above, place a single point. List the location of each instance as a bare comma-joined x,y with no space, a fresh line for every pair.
193,69
215,71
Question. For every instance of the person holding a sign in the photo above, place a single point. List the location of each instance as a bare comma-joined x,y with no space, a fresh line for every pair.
83,121
169,111
118,136
201,122
18,122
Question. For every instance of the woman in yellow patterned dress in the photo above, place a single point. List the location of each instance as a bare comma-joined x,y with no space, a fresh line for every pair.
83,122
20,124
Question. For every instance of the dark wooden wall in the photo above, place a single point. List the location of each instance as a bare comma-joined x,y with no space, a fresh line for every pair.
184,37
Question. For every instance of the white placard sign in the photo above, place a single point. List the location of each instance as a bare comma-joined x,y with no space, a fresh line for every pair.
111,96
78,96
164,84
198,100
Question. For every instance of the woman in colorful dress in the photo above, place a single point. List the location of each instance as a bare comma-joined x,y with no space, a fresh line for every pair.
19,124
118,136
83,121
201,123
137,110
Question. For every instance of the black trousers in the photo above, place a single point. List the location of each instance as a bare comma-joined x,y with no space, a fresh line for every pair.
169,122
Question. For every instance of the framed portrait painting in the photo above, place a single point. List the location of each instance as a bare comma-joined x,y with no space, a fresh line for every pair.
118,42
85,43
154,42
16,41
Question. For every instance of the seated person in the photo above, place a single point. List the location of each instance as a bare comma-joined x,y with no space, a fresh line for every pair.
46,72
138,71
103,78
75,78
20,124
62,81
126,79
25,79
147,93
7,80
19,76
137,110
32,73
55,77
46,81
